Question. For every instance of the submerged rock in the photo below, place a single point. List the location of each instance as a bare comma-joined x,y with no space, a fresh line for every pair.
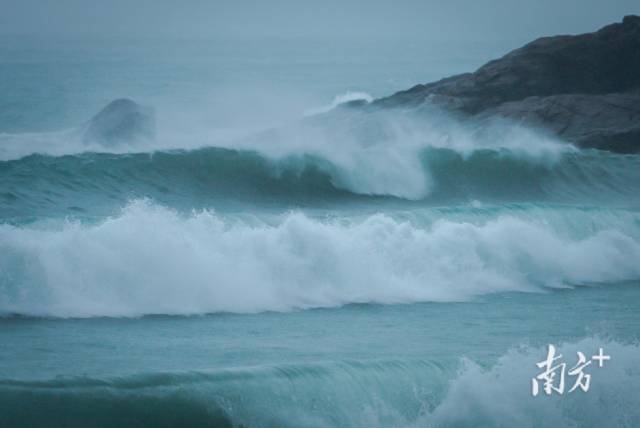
585,88
121,121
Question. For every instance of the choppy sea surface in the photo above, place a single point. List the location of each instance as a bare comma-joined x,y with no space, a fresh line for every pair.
274,259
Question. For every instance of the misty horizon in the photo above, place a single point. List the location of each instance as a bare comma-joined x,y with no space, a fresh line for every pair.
353,19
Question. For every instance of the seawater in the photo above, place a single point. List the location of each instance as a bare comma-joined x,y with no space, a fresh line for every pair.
259,264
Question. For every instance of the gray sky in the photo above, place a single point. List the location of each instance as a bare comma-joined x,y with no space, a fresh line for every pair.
426,19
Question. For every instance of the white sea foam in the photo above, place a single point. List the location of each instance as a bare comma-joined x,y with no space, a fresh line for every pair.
501,396
152,260
379,152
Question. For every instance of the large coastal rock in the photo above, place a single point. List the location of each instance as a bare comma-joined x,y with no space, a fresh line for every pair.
584,88
122,121
607,122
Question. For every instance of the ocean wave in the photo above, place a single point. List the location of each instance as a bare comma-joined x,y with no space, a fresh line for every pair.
372,153
498,397
152,260
404,393
95,184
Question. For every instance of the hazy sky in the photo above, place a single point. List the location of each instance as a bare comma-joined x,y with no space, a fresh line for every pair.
426,19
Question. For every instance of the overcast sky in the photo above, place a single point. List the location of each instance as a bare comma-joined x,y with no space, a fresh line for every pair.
426,19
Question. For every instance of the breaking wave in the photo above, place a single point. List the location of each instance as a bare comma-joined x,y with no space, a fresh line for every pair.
374,153
405,393
203,178
152,260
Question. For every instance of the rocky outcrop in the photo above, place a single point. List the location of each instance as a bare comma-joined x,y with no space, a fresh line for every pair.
122,121
607,122
584,88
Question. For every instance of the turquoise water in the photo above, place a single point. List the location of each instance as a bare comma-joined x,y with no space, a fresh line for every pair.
259,265
358,365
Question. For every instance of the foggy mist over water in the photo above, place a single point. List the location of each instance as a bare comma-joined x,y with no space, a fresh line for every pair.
251,64
417,19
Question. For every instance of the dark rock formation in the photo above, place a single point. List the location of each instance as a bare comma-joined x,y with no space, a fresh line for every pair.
585,88
607,122
121,121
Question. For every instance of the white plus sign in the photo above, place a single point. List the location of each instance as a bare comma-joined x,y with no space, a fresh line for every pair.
600,358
